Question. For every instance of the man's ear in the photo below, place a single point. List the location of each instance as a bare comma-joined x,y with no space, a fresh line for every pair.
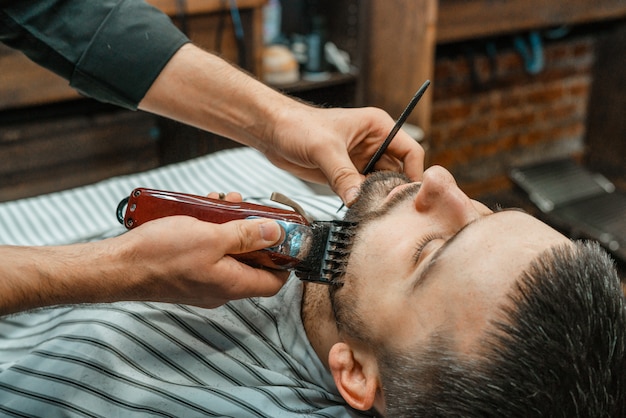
356,375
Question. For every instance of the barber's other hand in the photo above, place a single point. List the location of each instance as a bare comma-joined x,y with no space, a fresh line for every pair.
183,260
334,145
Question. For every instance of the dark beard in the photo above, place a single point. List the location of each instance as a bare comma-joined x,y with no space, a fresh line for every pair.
373,190
368,207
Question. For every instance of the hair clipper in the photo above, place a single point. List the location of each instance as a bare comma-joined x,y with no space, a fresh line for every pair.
315,250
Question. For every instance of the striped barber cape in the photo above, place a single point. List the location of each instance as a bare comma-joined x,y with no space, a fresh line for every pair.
248,358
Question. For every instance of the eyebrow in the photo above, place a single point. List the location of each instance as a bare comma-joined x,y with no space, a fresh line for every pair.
439,252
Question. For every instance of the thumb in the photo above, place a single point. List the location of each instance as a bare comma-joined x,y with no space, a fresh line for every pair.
244,236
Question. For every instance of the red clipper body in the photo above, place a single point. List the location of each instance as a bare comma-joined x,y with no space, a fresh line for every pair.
316,251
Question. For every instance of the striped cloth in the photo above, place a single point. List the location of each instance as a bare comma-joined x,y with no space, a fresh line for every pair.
249,358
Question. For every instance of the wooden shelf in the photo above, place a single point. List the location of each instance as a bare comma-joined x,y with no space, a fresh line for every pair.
172,7
303,85
460,20
24,83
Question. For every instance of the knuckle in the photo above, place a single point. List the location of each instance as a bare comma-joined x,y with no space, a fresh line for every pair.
244,238
342,174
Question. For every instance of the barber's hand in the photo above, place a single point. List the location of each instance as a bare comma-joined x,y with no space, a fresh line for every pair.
334,145
320,145
183,260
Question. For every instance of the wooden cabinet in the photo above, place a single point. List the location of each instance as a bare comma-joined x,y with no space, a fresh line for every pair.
72,147
461,20
401,49
52,138
346,24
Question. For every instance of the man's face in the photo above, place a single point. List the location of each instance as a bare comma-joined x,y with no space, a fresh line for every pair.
427,258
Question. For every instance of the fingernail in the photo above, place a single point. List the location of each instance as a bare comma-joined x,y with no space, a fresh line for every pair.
271,231
351,195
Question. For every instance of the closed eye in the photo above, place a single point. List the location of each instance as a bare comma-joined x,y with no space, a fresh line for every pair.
437,253
419,249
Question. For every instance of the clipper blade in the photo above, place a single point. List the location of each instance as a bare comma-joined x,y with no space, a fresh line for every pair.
328,258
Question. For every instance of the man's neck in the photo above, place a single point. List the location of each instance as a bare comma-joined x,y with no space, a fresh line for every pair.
318,319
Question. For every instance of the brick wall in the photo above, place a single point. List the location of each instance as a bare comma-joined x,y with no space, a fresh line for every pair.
498,115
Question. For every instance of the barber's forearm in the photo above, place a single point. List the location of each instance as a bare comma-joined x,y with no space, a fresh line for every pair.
34,277
200,89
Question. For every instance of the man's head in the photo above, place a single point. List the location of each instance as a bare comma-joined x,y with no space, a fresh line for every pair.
442,297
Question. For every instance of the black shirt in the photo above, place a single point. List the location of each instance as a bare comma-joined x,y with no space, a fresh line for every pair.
111,50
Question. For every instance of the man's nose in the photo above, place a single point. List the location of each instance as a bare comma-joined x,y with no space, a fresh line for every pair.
441,197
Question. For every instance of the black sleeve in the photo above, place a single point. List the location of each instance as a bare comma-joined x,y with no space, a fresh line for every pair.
111,50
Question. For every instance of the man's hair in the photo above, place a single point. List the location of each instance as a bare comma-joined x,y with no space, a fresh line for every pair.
559,351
